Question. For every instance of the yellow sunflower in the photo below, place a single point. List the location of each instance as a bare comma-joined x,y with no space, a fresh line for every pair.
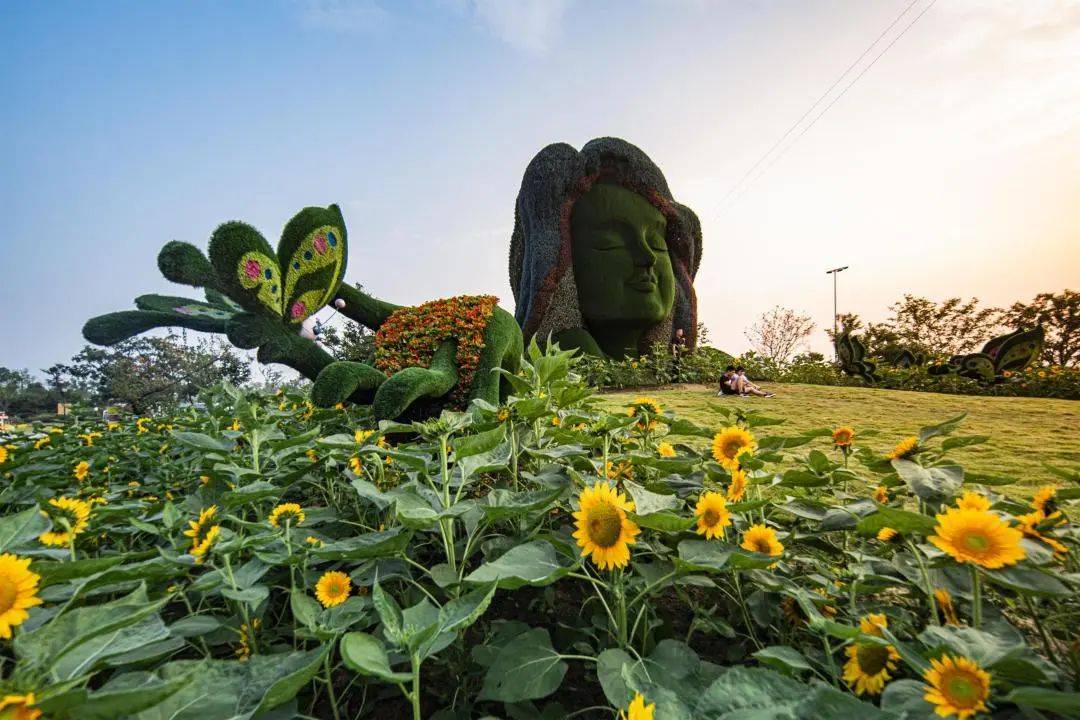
70,517
1029,526
81,470
1044,500
948,608
235,424
355,464
881,494
202,533
887,534
312,456
333,588
623,470
868,666
737,489
957,686
842,436
642,402
730,444
19,707
140,426
286,513
603,530
973,501
3,454
638,710
18,591
666,449
712,515
42,442
243,649
762,539
361,436
979,537
905,448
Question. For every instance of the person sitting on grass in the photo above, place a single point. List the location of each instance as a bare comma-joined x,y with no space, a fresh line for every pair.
742,385
727,382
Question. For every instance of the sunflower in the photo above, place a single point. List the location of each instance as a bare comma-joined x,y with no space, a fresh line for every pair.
286,513
555,421
647,404
202,533
312,456
603,530
503,415
18,591
737,488
793,611
957,686
905,448
712,515
979,537
140,426
613,472
243,649
361,436
1044,500
665,449
235,424
1029,525
948,608
842,436
42,442
730,444
973,501
881,495
19,707
888,534
3,454
81,470
868,665
763,540
333,588
638,710
70,514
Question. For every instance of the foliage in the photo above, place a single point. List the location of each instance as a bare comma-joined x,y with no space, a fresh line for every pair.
462,590
949,327
778,333
23,396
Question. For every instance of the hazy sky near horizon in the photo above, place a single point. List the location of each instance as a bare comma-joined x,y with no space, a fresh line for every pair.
952,167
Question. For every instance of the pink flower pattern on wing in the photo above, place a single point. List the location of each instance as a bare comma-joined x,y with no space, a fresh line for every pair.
252,269
298,310
320,244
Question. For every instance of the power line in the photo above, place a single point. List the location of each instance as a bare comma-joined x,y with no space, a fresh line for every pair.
740,188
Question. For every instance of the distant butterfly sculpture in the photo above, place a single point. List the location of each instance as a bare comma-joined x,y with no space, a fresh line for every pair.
260,299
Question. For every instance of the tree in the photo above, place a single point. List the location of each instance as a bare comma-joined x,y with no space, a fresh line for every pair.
950,327
21,395
778,333
150,372
1059,315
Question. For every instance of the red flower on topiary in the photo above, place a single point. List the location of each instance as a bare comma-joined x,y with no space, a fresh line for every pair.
411,335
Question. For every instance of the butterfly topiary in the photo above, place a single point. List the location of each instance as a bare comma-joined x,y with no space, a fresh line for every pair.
259,299
1003,354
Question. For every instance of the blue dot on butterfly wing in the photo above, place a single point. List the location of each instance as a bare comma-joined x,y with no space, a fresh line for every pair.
307,254
273,289
267,273
332,238
296,266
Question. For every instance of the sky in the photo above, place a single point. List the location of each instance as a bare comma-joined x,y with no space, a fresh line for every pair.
950,167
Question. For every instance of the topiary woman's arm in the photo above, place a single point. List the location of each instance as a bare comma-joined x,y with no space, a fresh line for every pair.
407,386
362,308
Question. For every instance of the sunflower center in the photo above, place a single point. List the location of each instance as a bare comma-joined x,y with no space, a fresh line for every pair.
872,658
761,545
605,525
710,518
962,691
9,591
732,448
976,542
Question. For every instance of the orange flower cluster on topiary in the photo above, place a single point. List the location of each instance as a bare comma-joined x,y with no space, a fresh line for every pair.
410,336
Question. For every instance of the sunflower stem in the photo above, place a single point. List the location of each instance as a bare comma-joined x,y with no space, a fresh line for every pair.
745,612
976,599
1047,645
415,695
926,582
330,685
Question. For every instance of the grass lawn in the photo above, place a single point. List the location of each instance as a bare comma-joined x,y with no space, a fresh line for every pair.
1024,432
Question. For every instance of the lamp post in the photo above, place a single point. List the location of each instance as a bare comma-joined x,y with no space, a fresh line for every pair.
834,272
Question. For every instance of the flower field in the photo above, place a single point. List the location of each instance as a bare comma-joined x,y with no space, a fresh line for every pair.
550,558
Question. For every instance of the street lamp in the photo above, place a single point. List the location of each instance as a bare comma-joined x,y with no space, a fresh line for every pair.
834,272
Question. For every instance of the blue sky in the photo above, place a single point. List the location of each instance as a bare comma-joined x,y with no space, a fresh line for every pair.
949,168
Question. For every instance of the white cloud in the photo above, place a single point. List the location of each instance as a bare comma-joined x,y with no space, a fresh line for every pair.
529,25
343,15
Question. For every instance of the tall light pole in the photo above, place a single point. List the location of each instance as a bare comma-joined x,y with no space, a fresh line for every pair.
834,272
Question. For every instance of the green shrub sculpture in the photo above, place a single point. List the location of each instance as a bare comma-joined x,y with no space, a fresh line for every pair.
998,359
851,354
442,352
602,258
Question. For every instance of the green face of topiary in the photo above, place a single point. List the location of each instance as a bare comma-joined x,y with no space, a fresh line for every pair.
621,263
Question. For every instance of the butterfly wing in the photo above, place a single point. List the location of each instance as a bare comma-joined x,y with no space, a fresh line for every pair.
315,243
246,269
